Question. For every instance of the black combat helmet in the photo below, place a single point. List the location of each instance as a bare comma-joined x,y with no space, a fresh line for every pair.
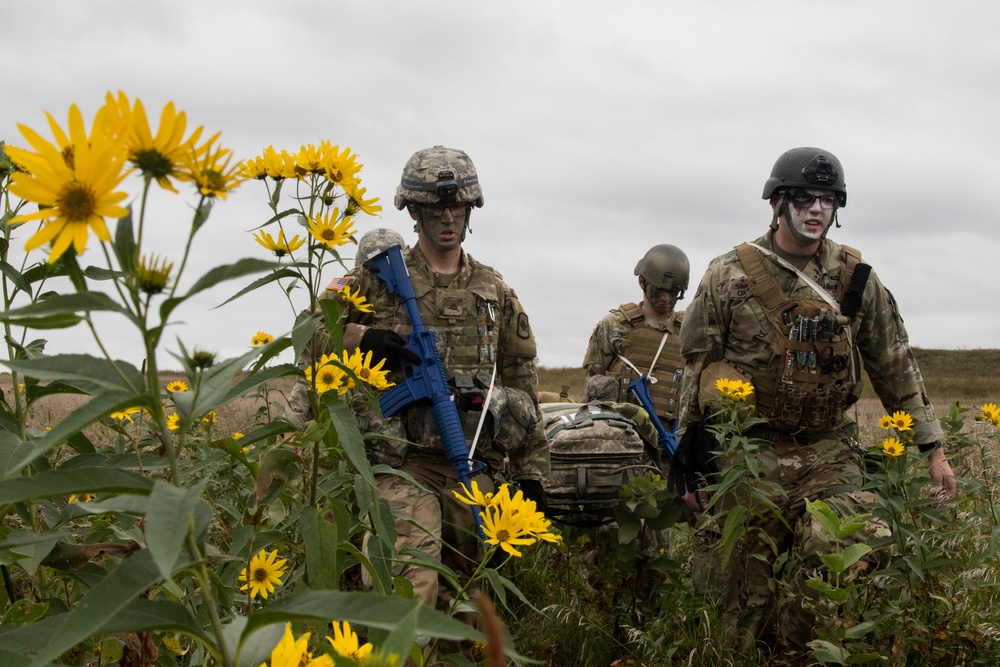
807,167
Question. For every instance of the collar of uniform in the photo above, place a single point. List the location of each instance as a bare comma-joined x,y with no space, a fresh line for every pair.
670,324
419,263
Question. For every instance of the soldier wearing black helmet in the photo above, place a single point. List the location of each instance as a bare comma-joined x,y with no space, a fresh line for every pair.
794,314
487,348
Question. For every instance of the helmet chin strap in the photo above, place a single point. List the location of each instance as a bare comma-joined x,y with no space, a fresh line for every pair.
779,208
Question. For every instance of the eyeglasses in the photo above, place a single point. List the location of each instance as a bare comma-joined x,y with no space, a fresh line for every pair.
803,200
458,211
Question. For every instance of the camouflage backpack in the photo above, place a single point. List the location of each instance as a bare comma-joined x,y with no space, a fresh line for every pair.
594,449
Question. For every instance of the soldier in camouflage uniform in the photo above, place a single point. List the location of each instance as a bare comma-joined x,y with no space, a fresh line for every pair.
794,314
487,348
642,338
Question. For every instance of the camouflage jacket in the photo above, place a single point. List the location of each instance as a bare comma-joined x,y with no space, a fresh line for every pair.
477,321
727,322
613,337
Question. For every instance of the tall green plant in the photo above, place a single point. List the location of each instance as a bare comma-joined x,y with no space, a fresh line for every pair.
155,556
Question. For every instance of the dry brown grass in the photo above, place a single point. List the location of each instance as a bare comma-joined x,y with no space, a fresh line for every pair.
239,415
971,377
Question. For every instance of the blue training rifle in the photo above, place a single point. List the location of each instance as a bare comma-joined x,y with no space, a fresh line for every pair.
666,439
426,379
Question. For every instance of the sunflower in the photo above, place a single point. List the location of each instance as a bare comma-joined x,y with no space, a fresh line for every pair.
901,421
209,418
473,496
161,157
340,167
361,365
269,164
124,415
885,423
152,274
892,447
356,301
356,200
346,643
237,435
75,185
266,571
176,385
330,230
292,652
174,421
261,338
209,168
280,247
329,376
79,498
990,413
506,530
734,389
309,160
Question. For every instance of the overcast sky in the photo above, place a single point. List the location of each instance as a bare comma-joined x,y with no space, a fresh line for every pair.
598,129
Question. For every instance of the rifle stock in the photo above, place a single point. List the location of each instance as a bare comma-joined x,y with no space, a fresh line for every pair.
665,438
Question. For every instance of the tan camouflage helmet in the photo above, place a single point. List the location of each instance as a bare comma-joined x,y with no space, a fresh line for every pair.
439,176
665,267
375,241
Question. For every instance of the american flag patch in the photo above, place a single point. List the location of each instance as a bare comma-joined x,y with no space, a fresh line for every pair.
338,284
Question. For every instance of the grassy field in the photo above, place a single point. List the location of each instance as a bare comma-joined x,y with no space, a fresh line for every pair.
971,377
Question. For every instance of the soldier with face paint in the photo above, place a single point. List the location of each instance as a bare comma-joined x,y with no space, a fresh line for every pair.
795,315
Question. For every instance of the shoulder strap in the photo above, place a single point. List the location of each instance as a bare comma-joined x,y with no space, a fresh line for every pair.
760,281
632,312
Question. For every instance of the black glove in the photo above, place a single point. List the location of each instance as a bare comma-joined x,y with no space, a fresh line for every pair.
693,461
389,345
532,490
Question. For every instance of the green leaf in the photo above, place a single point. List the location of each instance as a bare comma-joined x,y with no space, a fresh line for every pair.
834,562
32,547
332,313
105,603
732,530
125,249
258,378
15,277
98,407
302,332
61,482
323,555
238,269
858,631
169,518
826,652
83,371
365,608
277,274
348,435
826,516
854,553
63,304
401,637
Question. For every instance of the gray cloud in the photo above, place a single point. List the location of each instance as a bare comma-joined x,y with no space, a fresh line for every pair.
599,129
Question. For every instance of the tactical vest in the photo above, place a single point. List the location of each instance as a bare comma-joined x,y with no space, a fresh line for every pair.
812,375
639,347
465,317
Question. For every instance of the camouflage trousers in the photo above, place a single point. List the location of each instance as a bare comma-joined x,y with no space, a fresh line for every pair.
825,470
439,525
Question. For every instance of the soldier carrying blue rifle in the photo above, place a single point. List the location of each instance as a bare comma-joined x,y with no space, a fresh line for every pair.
485,357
